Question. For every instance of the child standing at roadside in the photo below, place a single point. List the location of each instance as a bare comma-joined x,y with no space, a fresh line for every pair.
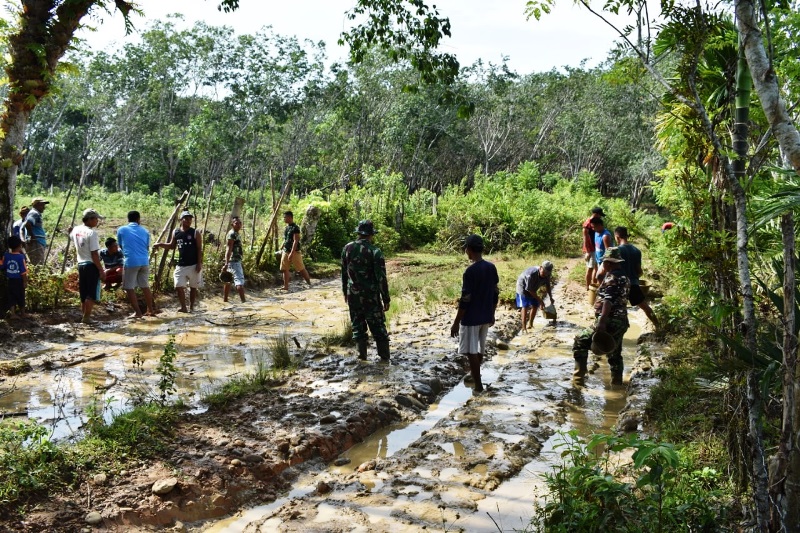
17,273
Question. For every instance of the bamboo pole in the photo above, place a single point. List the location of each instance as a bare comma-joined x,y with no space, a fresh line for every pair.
72,224
175,250
167,228
221,226
272,221
58,221
208,209
273,227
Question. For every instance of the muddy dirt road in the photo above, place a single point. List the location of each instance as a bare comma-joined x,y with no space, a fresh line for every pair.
340,445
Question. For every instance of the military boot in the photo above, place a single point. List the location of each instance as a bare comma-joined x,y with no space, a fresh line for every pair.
580,367
616,376
383,349
362,349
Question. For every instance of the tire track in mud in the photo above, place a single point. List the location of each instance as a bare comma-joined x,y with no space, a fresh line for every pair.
477,469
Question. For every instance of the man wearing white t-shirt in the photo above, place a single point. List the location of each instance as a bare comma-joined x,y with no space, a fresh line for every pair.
90,270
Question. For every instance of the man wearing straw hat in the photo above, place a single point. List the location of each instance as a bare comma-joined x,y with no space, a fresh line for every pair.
35,228
611,314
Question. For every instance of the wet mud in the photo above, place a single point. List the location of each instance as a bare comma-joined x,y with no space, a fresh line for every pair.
344,445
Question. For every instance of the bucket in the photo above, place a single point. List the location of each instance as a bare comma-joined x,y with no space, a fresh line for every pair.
602,343
644,285
550,312
591,294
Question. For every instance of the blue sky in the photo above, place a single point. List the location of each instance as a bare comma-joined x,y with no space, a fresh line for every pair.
481,29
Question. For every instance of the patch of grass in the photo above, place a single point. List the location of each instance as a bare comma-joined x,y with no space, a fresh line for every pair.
265,375
343,337
279,352
14,367
142,431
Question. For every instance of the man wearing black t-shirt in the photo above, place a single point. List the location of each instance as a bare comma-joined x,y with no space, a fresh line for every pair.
190,260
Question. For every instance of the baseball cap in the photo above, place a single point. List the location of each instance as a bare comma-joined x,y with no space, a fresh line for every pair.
548,266
91,213
613,255
474,242
186,214
39,201
598,211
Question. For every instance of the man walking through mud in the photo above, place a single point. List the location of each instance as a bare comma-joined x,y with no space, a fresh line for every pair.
234,253
480,293
190,260
588,246
611,315
632,268
366,290
290,254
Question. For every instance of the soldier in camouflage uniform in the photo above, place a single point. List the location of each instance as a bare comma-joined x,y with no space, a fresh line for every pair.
611,313
365,286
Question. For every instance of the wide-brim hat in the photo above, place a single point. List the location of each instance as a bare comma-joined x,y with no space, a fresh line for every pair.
613,255
39,201
602,343
366,227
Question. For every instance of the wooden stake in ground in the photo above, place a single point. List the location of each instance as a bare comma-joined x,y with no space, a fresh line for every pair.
72,224
58,221
168,227
272,221
208,210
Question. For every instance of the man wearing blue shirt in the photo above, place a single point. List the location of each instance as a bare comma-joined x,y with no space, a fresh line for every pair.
35,228
134,240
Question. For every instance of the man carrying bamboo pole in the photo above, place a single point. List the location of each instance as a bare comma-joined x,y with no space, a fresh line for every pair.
190,260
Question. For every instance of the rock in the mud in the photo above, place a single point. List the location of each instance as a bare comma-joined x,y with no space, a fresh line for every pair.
179,526
434,383
236,462
164,486
239,443
423,390
93,518
629,421
341,461
253,458
284,446
323,488
100,479
501,344
385,403
365,467
405,401
328,419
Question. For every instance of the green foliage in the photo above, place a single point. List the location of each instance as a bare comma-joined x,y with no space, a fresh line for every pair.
140,432
343,337
167,370
30,462
660,490
45,290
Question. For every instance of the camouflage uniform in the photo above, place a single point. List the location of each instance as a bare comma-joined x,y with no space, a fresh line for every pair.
365,286
614,289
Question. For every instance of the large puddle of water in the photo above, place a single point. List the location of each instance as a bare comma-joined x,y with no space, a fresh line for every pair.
216,343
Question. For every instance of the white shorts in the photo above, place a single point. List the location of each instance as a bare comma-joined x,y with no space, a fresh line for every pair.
472,339
592,261
187,275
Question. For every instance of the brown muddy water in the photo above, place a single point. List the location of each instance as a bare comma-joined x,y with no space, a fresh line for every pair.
471,462
219,341
466,463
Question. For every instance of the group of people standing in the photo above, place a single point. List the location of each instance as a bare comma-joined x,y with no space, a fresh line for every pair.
125,260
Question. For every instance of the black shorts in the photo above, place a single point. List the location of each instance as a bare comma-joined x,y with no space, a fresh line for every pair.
16,293
635,296
89,282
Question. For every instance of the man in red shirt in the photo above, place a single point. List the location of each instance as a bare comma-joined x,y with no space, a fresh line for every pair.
588,246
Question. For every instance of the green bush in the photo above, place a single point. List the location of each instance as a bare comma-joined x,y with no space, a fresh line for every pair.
660,490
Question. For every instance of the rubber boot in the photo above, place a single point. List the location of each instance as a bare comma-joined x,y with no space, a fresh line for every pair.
580,368
383,349
362,349
616,376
